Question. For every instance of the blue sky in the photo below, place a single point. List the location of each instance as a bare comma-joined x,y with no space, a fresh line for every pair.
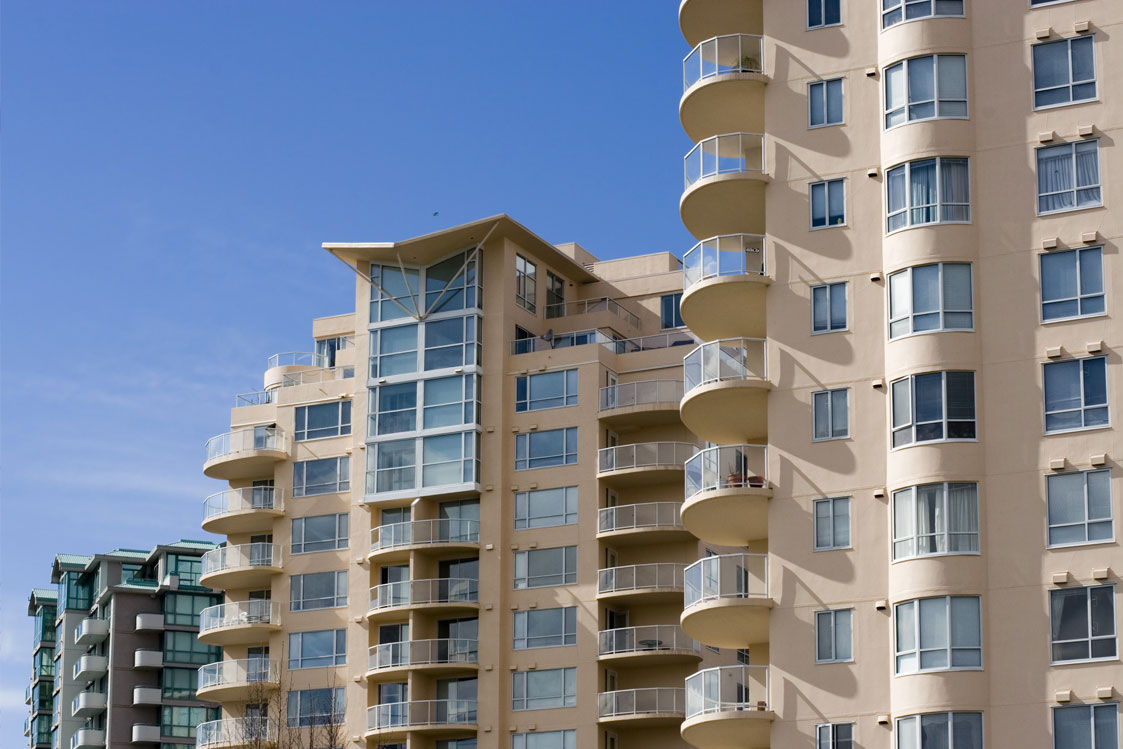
169,170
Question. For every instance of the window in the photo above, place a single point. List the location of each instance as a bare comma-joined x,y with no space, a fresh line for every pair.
315,707
179,721
325,476
1068,177
1079,507
317,649
1086,727
323,420
540,568
553,447
1064,72
555,295
930,191
1072,284
526,280
896,11
1083,623
547,390
832,523
450,401
669,311
451,343
449,459
822,13
926,88
547,688
187,569
393,351
394,466
824,101
930,298
319,533
453,283
179,683
545,740
393,409
545,507
1076,394
183,647
399,290
545,628
834,736
318,590
932,407
934,519
939,634
940,731
828,307
831,414
833,638
828,203
326,348
182,609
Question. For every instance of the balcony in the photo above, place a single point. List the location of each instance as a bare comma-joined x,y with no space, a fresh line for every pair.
245,680
431,717
245,453
91,632
317,376
147,695
87,704
149,623
654,644
653,706
394,542
241,623
146,733
724,273
607,311
701,19
728,707
727,493
642,403
246,510
727,388
726,602
90,667
643,463
647,523
390,660
439,595
290,362
723,86
605,337
725,177
87,738
146,658
641,583
256,398
235,733
242,566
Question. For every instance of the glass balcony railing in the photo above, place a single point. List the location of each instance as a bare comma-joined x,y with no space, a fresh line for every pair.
243,671
726,576
644,455
241,613
639,516
451,590
652,638
316,376
727,467
242,555
639,702
727,255
651,342
297,359
732,53
421,713
244,440
725,359
243,500
424,532
587,306
727,689
654,577
236,732
732,153
645,392
259,398
608,338
422,653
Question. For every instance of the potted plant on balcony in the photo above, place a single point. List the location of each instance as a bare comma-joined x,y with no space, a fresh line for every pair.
736,475
748,64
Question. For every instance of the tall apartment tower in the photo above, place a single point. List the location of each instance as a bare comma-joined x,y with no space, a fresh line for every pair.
41,606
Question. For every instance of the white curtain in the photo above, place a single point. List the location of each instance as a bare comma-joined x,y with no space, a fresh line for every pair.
922,191
956,185
1054,178
963,517
1087,174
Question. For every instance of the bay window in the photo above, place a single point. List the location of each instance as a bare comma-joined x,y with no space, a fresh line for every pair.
938,634
932,407
925,88
928,191
929,298
934,519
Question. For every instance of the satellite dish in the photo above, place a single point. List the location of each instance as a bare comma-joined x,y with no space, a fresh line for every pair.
548,336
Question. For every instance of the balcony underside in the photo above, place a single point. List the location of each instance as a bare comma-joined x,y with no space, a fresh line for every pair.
728,622
729,729
728,411
706,307
730,203
728,517
700,20
725,103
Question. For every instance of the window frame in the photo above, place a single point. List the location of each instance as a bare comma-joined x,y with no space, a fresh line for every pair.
341,428
830,298
936,98
1078,253
337,657
902,4
942,310
1067,41
823,15
341,540
916,719
911,424
949,647
833,616
827,186
522,559
833,516
938,204
1092,709
569,434
1088,621
531,740
824,83
568,637
526,284
1076,188
342,477
338,601
523,501
302,720
832,740
946,534
674,302
1110,520
567,698
525,385
830,392
1083,403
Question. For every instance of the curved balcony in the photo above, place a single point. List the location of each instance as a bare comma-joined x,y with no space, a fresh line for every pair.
653,706
90,668
650,522
246,680
241,566
234,733
726,601
727,388
725,178
724,273
431,717
650,644
642,403
701,19
246,510
390,660
394,542
727,493
289,362
723,86
146,733
642,583
91,631
245,453
87,738
145,658
87,704
728,708
240,623
643,462
440,595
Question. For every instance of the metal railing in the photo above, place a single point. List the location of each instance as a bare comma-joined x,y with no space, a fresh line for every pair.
243,440
242,671
647,701
316,376
561,340
727,255
422,653
625,394
637,516
651,638
421,713
243,500
724,154
727,467
726,689
731,53
297,359
259,398
241,613
242,555
651,342
424,532
643,455
236,731
726,576
419,592
640,577
586,306
725,359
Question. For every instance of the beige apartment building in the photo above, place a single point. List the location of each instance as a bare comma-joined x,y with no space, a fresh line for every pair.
844,475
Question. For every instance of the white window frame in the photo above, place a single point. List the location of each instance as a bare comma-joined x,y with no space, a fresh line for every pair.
567,698
823,15
1091,709
906,724
342,535
338,601
949,647
903,3
338,657
567,458
523,501
570,378
824,94
522,559
830,291
341,428
939,201
1087,590
342,481
526,284
834,618
1076,188
833,518
1109,520
945,534
1083,398
537,740
942,310
911,423
568,637
1078,253
830,414
936,99
827,185
826,736
1067,41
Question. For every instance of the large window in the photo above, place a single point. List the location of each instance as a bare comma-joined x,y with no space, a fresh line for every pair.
323,420
932,407
930,298
182,609
540,568
392,466
318,590
940,731
930,191
1083,623
1072,284
828,307
317,649
325,476
1064,72
319,533
545,740
400,289
926,88
670,316
451,343
824,102
545,628
830,413
834,736
934,519
896,11
555,295
444,401
1079,507
393,351
393,409
541,508
180,721
1068,177
822,13
526,282
179,683
546,390
832,523
833,636
184,647
315,707
828,203
553,447
1076,394
450,284
939,634
1086,727
445,459
186,568
547,688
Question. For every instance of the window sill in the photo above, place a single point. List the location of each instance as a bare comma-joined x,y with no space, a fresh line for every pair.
1075,318
1077,662
843,225
931,332
1079,544
929,671
825,124
1047,107
926,225
1077,429
906,123
828,332
933,442
1074,209
833,548
827,663
938,555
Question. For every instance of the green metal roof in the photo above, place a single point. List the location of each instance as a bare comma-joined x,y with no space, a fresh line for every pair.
186,543
47,594
73,560
132,553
